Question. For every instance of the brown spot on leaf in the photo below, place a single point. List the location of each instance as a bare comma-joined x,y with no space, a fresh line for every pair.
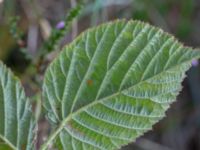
89,82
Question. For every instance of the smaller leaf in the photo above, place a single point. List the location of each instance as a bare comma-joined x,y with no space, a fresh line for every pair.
17,123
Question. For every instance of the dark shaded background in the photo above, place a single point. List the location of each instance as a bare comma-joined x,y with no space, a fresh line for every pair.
180,130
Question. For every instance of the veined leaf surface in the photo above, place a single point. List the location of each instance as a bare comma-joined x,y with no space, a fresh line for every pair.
16,118
112,84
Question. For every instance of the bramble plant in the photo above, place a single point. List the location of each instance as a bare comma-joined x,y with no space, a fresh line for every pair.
105,89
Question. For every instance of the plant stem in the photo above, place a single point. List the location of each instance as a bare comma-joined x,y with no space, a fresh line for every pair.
53,136
75,24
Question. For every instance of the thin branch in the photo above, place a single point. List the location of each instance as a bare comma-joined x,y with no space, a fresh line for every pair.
75,23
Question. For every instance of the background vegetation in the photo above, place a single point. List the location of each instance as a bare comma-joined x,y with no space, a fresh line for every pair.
32,32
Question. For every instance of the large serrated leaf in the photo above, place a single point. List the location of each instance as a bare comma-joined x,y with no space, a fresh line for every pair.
112,84
16,118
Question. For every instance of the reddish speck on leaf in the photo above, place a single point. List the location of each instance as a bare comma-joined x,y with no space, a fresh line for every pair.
23,146
89,82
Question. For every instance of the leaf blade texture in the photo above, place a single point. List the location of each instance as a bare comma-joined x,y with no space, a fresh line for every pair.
112,84
16,118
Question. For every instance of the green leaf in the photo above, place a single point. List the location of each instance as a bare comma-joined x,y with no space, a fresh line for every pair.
112,84
16,118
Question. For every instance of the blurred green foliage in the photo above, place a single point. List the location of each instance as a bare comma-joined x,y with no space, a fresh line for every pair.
6,42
